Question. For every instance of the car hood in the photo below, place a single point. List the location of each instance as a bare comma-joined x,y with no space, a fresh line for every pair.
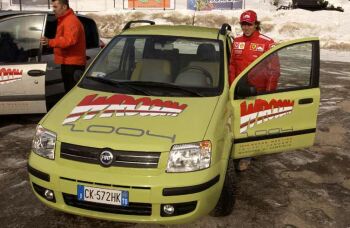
129,122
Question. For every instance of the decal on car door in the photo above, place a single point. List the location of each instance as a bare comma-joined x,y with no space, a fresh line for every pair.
10,75
262,111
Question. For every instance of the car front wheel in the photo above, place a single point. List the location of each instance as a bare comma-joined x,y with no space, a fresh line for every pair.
227,198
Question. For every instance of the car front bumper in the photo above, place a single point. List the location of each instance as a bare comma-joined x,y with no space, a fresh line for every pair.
192,194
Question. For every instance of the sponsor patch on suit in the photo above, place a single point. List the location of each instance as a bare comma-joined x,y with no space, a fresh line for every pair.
239,45
257,47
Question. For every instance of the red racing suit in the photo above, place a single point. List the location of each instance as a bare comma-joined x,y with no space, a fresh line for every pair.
264,76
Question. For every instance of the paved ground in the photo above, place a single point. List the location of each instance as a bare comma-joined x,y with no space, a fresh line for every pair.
304,188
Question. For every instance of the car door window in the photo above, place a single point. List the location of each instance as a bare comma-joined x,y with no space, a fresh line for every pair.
50,32
19,38
289,68
295,66
91,32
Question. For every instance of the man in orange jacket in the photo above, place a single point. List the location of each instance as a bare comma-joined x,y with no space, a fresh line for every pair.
247,48
69,43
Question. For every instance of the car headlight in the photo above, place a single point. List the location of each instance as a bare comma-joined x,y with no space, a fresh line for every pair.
189,157
44,142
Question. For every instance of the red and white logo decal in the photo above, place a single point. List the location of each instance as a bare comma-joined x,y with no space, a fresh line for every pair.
262,111
122,105
257,47
10,75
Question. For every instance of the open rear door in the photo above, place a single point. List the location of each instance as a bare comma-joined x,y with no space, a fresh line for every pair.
22,76
22,88
284,118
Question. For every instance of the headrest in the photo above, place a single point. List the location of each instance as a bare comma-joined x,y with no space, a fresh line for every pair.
206,52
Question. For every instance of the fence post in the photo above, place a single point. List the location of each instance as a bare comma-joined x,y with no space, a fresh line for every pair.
20,5
48,4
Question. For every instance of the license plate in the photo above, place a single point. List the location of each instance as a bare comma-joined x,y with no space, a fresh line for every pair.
105,196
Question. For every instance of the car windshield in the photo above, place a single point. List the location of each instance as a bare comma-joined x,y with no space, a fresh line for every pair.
158,66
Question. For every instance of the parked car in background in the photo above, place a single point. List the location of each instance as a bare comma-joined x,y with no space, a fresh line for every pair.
30,81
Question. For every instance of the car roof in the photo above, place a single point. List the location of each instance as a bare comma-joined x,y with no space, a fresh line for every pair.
174,30
9,13
14,12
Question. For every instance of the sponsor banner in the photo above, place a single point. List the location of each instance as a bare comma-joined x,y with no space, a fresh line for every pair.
10,75
214,4
262,111
122,105
149,4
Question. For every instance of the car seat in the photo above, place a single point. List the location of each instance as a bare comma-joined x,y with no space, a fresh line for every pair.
154,70
203,72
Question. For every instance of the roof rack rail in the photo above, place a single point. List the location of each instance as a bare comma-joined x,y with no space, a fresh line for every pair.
127,26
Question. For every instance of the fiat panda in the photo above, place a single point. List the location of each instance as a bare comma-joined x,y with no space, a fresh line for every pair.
151,132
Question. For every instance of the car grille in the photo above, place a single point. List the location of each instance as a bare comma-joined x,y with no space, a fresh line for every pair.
132,159
133,208
104,184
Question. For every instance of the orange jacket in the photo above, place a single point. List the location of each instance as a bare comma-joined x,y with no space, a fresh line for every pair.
69,43
244,51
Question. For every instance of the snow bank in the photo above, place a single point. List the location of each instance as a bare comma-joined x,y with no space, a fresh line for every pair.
332,27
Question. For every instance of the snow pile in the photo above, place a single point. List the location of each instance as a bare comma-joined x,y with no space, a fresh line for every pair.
332,27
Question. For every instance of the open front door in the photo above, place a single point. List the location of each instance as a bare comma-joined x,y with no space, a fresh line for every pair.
282,117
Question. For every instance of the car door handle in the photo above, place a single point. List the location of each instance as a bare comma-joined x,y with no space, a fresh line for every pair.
36,73
306,101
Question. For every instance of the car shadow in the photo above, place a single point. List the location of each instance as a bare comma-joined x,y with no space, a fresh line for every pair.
6,120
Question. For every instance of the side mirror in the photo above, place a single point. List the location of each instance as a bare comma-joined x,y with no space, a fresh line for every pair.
246,91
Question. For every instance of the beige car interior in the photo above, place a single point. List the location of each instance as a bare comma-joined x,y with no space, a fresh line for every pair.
155,70
203,72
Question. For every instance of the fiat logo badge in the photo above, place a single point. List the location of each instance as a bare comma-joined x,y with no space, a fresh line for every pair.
106,158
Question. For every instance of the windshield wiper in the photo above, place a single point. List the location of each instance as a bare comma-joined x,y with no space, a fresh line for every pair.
161,85
119,85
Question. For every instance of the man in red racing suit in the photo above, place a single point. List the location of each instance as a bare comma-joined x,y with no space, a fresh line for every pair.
247,48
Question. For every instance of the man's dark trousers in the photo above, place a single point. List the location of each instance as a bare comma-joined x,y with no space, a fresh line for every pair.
69,75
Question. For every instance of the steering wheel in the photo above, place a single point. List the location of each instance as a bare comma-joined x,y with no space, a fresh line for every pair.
202,70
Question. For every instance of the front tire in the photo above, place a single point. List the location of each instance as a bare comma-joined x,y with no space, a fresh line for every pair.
227,198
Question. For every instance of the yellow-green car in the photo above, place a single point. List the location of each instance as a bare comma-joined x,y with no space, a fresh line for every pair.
151,131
